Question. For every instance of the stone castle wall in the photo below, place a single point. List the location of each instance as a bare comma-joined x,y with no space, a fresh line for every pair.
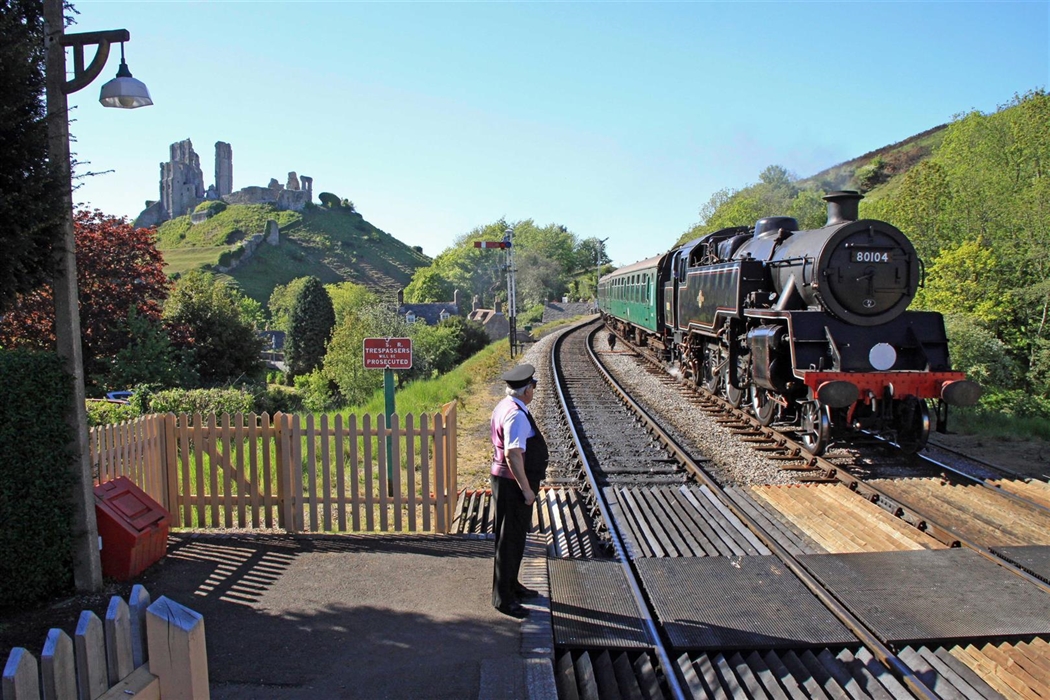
182,186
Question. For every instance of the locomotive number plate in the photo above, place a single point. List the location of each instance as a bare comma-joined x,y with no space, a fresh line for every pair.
871,256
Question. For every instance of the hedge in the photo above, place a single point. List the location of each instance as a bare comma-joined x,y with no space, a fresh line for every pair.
36,481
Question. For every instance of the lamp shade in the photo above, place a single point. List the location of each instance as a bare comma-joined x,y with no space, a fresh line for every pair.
124,91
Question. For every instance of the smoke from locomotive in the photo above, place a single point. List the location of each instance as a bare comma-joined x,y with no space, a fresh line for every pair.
808,327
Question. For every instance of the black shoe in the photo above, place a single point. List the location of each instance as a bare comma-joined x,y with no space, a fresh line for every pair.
514,610
524,593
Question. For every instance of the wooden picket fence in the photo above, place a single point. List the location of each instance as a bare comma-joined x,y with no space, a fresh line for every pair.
141,651
300,474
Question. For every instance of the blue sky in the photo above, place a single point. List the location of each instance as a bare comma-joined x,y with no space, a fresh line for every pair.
616,120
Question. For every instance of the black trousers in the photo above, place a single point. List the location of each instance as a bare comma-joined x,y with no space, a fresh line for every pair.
513,520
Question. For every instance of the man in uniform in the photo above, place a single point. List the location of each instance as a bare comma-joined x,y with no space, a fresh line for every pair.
519,464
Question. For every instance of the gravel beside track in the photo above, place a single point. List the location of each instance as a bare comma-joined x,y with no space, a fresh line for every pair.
563,466
733,463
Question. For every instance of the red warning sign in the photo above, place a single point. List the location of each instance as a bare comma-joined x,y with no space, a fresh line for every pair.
384,353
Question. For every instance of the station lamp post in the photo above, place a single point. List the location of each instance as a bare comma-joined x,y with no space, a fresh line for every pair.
123,92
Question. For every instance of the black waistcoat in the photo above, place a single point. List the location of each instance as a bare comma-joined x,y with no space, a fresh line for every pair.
536,455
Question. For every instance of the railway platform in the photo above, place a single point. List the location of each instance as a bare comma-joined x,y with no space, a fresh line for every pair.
359,616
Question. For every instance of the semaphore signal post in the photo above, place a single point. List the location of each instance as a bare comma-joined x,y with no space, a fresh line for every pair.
512,289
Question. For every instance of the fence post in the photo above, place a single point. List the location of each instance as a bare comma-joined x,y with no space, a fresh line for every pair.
20,676
295,472
177,655
90,645
440,495
138,602
285,458
118,639
169,462
451,458
58,666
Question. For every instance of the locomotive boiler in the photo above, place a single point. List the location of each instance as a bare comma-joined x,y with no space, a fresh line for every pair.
808,327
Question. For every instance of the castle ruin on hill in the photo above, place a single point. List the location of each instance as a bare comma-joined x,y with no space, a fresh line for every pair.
182,186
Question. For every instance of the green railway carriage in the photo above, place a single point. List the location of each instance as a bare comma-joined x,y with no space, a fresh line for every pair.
633,295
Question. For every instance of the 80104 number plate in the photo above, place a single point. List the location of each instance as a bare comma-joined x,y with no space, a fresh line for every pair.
871,256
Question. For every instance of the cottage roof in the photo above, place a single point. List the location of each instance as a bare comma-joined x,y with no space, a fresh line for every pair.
430,312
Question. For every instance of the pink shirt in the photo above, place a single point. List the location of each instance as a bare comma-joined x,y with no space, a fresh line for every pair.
510,429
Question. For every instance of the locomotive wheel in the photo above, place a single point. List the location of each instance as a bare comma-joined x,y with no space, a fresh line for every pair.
816,427
733,395
764,406
914,429
712,377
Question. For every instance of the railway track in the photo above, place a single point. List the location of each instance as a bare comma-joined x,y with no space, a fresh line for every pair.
722,577
961,503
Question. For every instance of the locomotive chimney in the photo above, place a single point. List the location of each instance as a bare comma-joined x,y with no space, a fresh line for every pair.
842,206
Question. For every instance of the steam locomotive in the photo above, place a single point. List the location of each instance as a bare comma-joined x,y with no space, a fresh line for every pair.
810,327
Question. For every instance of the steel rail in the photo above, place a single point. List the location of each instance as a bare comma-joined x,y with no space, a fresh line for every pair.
909,514
995,489
671,672
875,645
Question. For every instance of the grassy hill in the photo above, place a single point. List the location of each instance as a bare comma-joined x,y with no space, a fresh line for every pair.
334,245
897,159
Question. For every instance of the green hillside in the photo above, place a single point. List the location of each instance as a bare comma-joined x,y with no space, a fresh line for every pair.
335,245
896,159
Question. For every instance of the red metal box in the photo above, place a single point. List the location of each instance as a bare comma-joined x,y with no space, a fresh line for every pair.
133,528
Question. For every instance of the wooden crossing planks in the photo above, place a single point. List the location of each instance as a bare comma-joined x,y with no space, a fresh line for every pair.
840,521
1019,670
976,513
1032,489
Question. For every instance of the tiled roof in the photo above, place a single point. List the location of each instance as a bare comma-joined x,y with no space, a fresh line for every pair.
431,312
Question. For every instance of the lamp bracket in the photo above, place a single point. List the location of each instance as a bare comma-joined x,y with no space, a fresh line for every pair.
82,77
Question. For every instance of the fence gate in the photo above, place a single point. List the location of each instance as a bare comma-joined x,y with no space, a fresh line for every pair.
296,473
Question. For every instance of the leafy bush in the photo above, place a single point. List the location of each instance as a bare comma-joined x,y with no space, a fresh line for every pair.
273,399
976,351
202,401
108,413
213,207
329,200
35,478
1016,403
317,392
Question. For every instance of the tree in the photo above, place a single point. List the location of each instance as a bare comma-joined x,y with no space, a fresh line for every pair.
539,278
282,298
343,362
226,349
428,285
312,321
470,336
149,358
119,269
809,209
30,201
